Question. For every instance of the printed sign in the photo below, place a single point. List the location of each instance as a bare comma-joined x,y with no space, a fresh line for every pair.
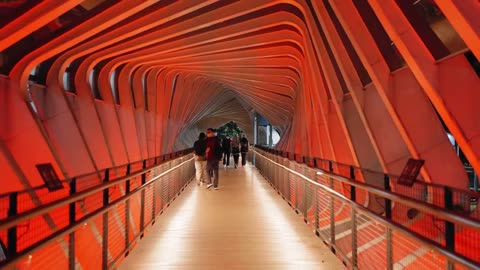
410,172
49,176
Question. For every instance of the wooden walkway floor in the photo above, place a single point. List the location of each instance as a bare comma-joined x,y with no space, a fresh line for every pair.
243,225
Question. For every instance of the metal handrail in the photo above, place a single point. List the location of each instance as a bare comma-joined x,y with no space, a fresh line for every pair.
432,209
12,221
67,180
397,198
469,192
71,228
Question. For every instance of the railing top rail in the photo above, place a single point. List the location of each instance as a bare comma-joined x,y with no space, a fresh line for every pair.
392,176
432,209
67,180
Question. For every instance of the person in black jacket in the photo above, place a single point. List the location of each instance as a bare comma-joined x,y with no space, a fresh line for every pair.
227,149
244,149
235,150
200,148
214,156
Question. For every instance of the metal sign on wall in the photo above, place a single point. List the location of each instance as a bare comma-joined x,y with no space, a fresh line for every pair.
410,172
49,176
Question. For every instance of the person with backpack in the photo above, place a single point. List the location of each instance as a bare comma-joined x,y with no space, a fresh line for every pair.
235,150
200,148
214,156
244,149
227,149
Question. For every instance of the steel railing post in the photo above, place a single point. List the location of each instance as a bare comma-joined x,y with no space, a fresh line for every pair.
353,198
72,219
106,199
142,200
388,230
281,178
305,200
161,193
354,239
332,217
306,195
388,202
332,210
286,184
154,201
12,232
297,184
317,211
332,223
449,226
127,210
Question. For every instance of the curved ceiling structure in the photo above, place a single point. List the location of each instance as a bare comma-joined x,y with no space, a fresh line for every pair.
129,80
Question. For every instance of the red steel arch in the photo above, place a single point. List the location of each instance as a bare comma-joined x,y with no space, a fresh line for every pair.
162,72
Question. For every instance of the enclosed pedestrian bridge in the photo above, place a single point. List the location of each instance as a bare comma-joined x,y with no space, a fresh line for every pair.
362,117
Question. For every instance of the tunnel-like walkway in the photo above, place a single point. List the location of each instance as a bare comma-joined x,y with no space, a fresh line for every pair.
102,100
243,225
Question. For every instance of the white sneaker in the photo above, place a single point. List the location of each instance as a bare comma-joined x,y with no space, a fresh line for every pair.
209,186
215,188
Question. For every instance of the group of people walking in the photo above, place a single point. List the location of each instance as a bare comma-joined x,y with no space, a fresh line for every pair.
234,147
210,150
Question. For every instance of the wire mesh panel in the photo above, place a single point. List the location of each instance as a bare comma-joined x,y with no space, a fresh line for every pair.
292,186
309,208
116,231
94,202
467,242
343,234
40,227
427,225
410,254
369,226
149,204
88,239
371,243
132,216
53,256
94,221
324,214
